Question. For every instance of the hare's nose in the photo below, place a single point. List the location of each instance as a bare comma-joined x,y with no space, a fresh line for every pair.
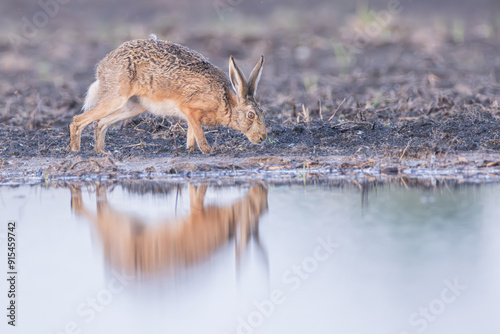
262,138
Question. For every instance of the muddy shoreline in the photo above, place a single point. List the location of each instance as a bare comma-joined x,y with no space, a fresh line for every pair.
421,97
462,169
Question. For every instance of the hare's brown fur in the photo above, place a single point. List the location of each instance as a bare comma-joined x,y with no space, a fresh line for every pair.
169,79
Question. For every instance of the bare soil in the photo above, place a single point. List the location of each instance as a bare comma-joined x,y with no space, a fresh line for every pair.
420,92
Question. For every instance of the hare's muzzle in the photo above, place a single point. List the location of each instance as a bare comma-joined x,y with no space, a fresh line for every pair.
259,139
262,138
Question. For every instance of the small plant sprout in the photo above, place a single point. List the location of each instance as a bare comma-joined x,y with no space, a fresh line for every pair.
310,82
458,31
377,97
343,58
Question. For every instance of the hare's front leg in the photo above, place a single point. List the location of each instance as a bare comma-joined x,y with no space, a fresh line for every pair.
194,126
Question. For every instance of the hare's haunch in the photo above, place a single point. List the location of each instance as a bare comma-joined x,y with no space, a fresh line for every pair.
169,79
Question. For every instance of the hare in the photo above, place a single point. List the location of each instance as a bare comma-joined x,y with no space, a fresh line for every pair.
169,79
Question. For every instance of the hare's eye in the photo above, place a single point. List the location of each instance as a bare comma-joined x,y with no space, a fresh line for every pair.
251,115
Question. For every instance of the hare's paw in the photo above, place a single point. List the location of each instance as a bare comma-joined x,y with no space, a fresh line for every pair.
103,152
191,146
205,149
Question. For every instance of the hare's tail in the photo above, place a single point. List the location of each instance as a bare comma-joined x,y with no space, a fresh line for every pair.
91,97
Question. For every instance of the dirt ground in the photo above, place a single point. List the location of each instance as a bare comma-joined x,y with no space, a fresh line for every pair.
345,86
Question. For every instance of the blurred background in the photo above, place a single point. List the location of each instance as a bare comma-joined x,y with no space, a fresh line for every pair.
383,55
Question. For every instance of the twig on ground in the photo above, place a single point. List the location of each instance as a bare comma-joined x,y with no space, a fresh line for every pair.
404,151
335,112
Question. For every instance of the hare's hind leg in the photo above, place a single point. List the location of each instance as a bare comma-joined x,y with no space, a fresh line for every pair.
100,110
191,140
132,108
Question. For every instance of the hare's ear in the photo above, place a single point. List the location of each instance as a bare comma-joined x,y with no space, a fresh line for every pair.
254,79
238,79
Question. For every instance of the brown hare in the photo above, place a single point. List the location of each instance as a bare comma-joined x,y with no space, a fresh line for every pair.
169,79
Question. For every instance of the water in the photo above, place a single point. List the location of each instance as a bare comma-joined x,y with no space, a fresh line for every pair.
172,258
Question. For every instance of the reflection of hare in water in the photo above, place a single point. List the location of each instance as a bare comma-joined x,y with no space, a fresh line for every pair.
133,246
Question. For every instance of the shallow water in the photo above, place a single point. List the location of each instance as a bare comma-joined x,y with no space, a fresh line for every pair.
172,258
